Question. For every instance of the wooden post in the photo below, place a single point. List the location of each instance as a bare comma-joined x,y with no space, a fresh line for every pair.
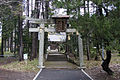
80,52
41,46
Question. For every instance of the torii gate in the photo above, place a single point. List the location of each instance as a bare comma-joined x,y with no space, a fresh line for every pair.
42,29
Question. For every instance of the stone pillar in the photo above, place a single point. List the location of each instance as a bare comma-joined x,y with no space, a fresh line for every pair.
81,52
41,46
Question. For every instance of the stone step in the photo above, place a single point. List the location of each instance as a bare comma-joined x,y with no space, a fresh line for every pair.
59,65
57,57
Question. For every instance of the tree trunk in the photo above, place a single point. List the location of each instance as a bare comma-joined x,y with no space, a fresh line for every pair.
28,26
11,42
88,7
46,17
28,47
102,55
20,52
105,64
8,46
34,46
46,9
84,8
67,51
5,45
35,35
88,49
2,52
119,44
97,52
15,37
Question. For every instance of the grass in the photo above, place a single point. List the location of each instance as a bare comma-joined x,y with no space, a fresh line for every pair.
118,54
92,63
22,66
115,59
32,65
8,53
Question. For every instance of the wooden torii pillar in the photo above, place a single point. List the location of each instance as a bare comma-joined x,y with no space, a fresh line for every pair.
41,30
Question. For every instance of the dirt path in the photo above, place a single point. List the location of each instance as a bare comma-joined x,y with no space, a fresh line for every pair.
98,74
13,75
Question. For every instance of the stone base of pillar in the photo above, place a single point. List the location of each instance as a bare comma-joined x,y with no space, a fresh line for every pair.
41,67
82,67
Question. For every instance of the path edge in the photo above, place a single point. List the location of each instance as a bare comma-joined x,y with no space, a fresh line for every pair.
37,74
86,74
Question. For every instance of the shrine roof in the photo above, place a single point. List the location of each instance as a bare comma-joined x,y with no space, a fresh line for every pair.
60,16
